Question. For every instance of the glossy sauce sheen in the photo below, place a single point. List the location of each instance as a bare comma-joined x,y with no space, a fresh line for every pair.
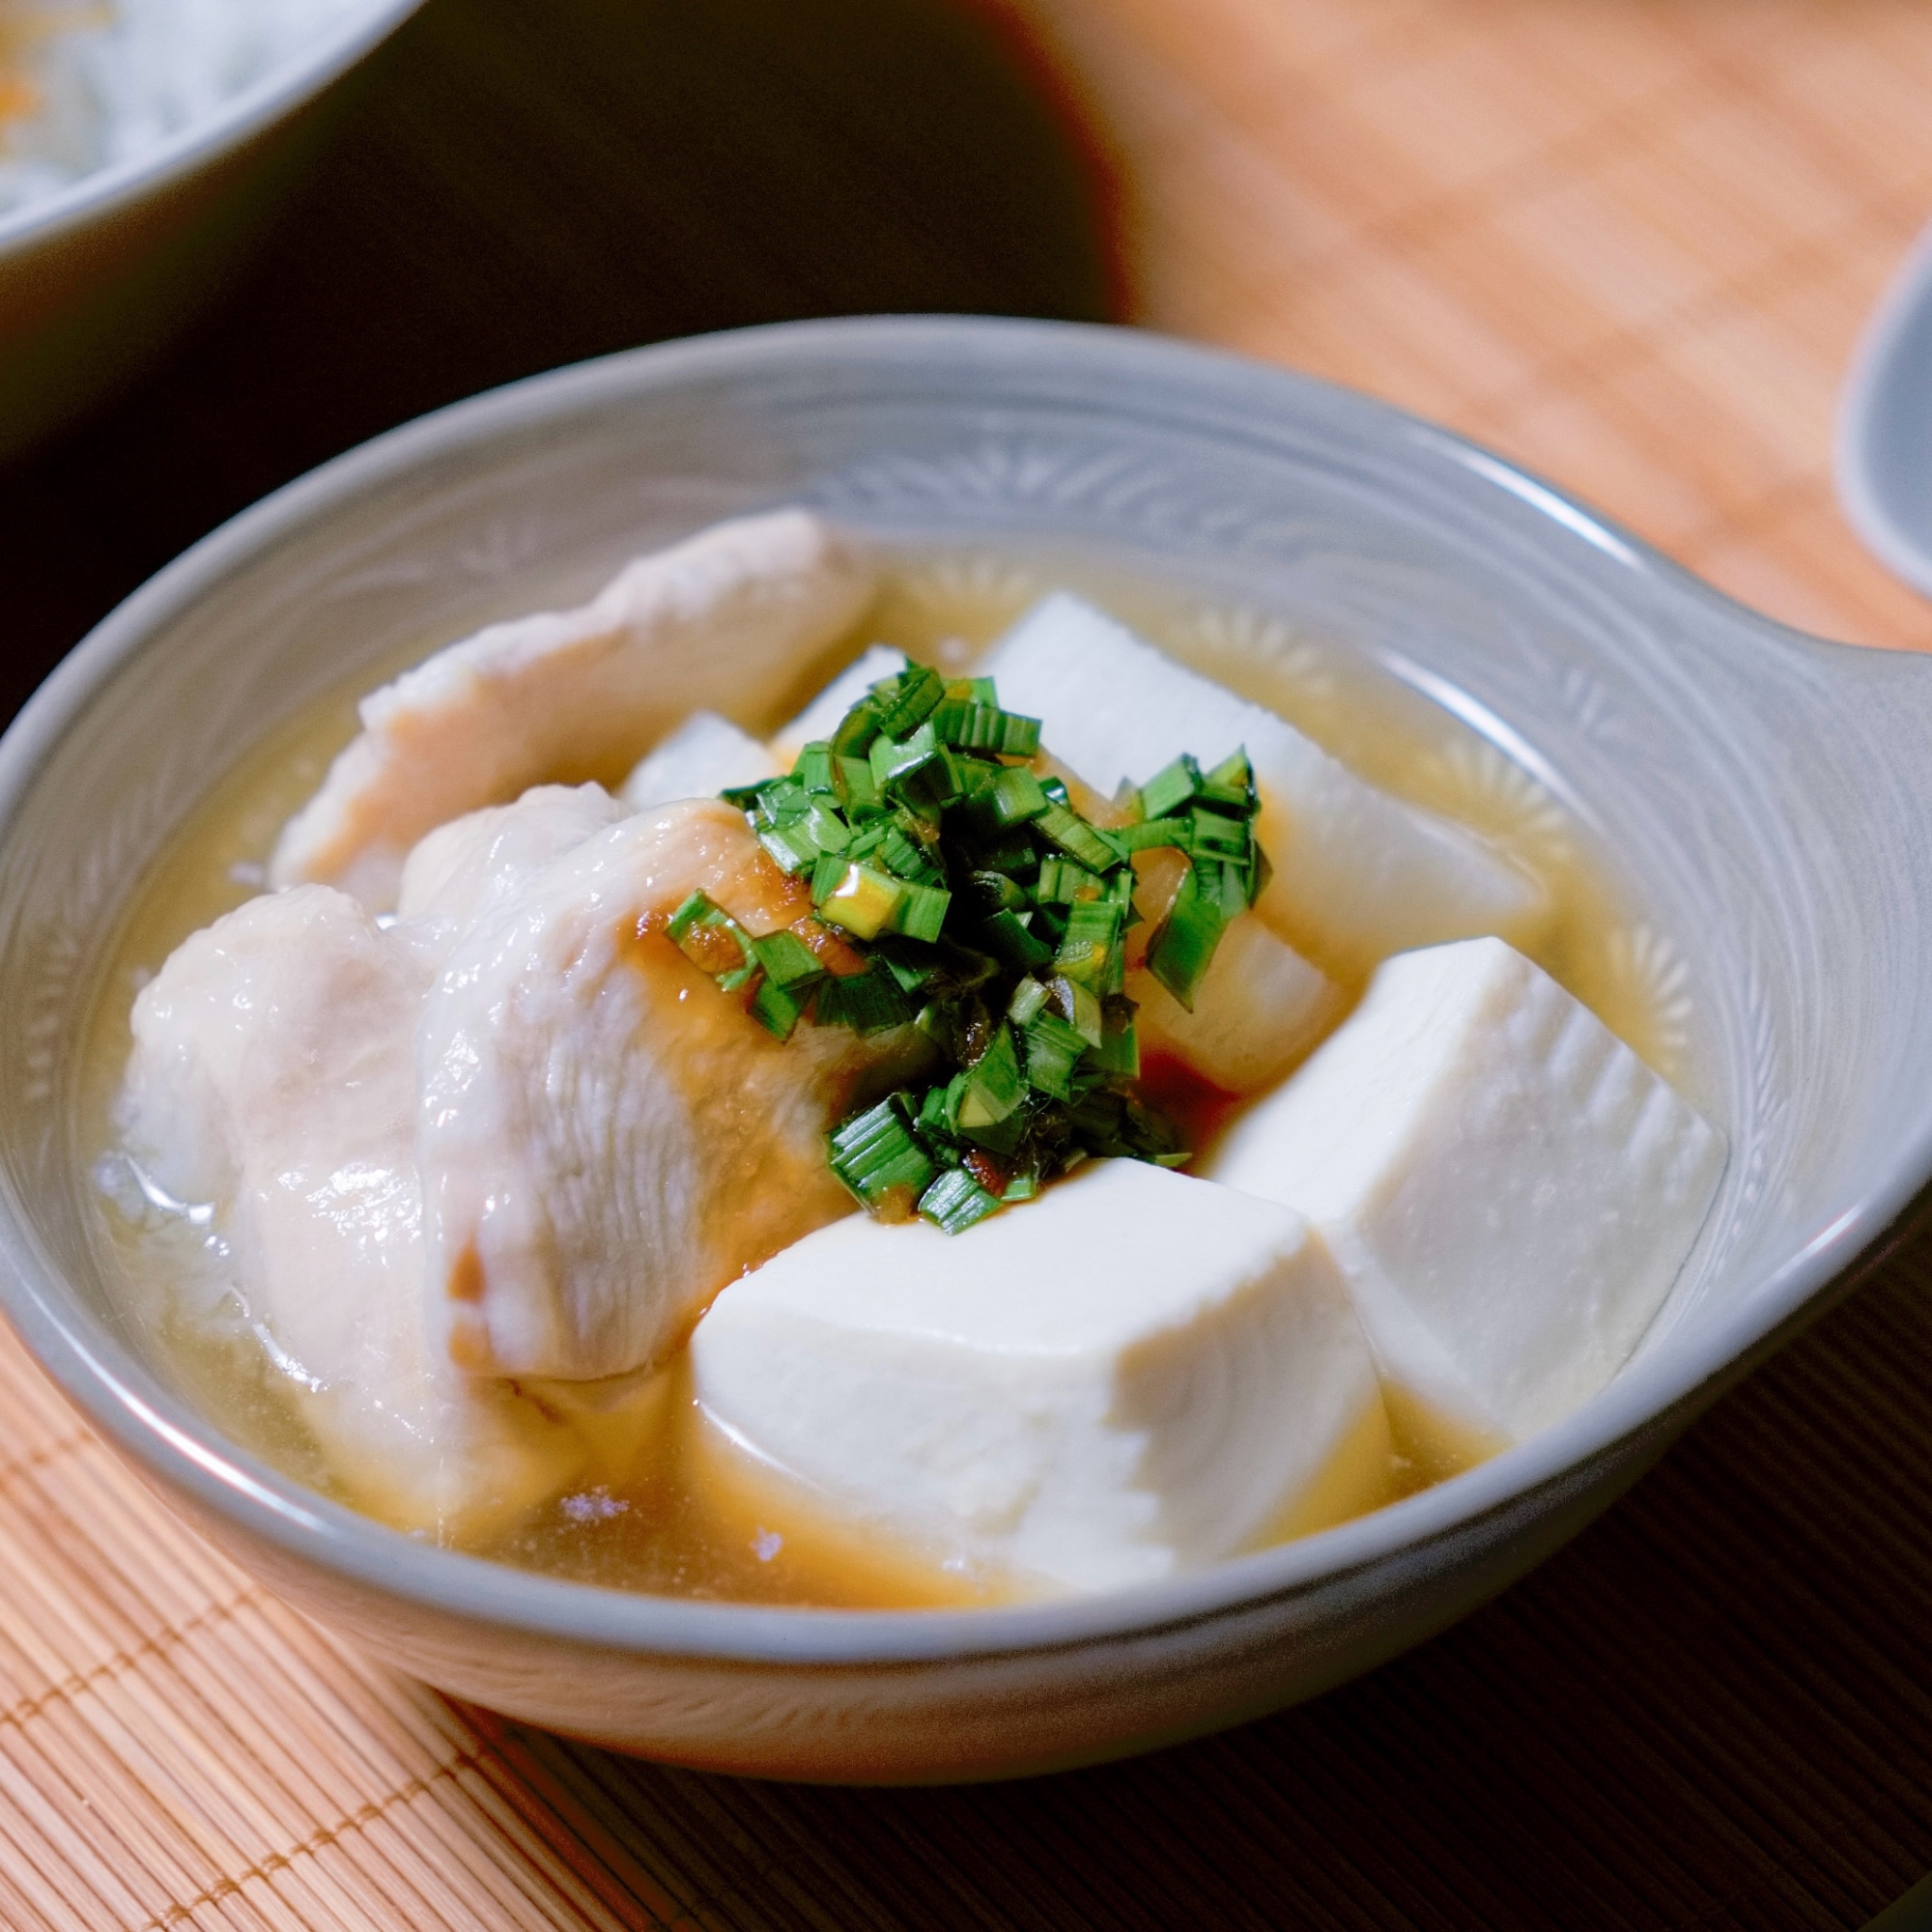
666,1505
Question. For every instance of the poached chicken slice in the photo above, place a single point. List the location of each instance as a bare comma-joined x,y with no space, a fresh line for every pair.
466,869
273,1078
605,1137
733,616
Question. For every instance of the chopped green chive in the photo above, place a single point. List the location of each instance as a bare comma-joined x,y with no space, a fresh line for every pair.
816,768
906,857
788,961
856,731
879,1157
973,725
858,790
1015,796
999,892
908,699
1006,937
1151,832
1213,834
955,1201
826,829
922,912
1069,830
991,1088
911,975
867,1002
1062,881
893,759
1054,1049
972,900
694,911
1231,783
1029,997
1119,1052
1080,1005
863,902
713,941
1169,787
1089,952
1181,952
774,1008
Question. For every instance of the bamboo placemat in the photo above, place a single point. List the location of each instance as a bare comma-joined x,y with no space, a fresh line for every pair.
1628,242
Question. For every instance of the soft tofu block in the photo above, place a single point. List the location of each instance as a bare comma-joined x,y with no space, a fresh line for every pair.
705,754
1134,1374
1509,1189
1257,1010
1357,874
821,717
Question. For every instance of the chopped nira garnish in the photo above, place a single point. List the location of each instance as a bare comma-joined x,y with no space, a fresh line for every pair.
958,888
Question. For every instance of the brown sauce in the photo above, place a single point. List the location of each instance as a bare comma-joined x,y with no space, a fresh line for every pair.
1198,1109
665,1506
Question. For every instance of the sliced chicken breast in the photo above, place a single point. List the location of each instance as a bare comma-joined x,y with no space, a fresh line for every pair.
605,1136
462,872
730,617
272,1078
1260,1009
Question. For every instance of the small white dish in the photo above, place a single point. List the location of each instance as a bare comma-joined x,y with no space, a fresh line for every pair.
1884,457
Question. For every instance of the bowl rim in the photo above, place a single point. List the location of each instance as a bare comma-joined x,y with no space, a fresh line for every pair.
106,1382
107,191
1861,404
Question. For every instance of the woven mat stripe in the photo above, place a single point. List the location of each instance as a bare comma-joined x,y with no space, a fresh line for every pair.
191,1719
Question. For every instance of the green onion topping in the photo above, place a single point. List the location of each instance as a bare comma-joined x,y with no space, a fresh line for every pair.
972,900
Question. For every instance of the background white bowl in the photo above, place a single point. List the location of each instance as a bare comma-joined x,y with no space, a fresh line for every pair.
1884,446
97,277
1768,796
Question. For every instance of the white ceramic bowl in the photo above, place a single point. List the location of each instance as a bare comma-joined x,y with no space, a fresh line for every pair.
1884,425
95,278
1771,796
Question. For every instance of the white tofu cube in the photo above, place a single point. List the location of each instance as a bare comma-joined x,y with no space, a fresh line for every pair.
1357,874
1258,1008
1135,1374
821,717
705,754
1509,1189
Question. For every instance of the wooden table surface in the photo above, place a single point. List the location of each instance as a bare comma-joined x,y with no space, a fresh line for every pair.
1630,243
